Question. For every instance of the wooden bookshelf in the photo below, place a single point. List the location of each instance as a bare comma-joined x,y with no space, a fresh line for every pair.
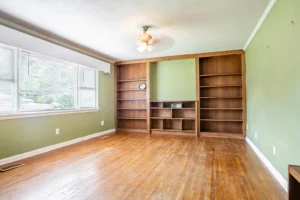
221,95
167,119
131,113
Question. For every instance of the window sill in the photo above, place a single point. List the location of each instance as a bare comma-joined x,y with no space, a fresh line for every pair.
46,113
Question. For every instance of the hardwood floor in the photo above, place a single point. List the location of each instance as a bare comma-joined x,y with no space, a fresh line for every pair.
138,166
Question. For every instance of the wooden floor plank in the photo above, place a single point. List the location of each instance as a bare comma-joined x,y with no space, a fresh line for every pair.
139,166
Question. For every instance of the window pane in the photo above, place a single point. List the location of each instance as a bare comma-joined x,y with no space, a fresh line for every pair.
88,98
6,63
6,99
88,77
46,84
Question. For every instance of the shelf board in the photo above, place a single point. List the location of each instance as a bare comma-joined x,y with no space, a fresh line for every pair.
170,101
156,129
125,90
184,108
157,108
221,108
189,131
137,118
172,108
131,130
132,80
220,120
230,74
222,134
172,118
131,108
221,97
220,86
131,99
172,130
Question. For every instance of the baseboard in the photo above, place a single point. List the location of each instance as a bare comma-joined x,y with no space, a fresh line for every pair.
260,22
52,147
269,165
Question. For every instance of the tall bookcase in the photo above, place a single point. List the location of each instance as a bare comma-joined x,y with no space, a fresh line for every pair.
132,103
221,94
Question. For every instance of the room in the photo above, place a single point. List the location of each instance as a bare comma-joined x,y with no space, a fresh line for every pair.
184,99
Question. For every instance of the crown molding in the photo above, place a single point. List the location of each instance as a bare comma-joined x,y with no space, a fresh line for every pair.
260,22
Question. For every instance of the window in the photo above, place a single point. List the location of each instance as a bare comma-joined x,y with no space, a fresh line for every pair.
43,83
46,84
87,87
7,65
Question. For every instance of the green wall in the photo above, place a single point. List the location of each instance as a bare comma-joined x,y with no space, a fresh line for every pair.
173,80
22,135
273,86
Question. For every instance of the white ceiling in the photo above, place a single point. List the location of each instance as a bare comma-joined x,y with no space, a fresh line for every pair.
111,27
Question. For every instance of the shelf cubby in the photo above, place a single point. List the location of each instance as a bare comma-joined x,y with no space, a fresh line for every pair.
164,113
172,124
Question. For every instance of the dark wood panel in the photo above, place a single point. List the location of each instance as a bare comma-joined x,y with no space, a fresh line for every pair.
172,124
182,113
221,103
221,92
220,65
130,85
132,71
132,113
222,114
164,113
157,124
221,127
221,80
132,124
132,104
140,94
188,125
294,182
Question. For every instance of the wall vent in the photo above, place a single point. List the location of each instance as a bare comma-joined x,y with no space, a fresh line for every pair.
10,167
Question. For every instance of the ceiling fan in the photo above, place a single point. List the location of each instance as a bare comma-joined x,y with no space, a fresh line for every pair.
145,40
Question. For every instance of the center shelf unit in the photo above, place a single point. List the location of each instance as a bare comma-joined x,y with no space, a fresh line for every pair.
221,95
173,117
131,102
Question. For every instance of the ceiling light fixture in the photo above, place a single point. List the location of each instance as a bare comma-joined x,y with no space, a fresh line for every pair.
145,40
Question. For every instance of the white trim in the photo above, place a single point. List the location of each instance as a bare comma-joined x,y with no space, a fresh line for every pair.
269,165
52,147
46,113
260,22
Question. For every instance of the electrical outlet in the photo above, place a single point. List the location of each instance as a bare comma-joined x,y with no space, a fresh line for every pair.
255,134
274,149
57,131
102,123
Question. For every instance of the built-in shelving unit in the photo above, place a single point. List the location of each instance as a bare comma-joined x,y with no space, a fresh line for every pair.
219,110
131,102
221,95
173,117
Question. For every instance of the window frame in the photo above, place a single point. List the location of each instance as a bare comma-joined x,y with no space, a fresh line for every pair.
16,98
